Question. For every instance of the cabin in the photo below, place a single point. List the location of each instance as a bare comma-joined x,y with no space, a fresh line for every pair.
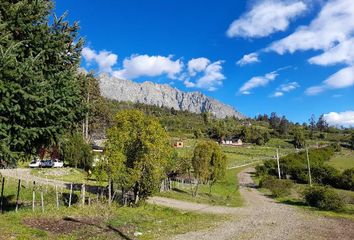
238,142
231,143
178,144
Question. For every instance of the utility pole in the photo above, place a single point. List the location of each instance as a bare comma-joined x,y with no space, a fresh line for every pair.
278,163
308,165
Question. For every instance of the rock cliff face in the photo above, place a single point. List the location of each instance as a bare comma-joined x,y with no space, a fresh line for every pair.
163,95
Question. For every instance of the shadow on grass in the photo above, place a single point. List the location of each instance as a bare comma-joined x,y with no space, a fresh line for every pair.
294,202
180,191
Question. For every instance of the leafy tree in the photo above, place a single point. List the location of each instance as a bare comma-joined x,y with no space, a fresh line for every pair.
352,141
209,163
283,126
299,138
76,152
312,125
321,124
274,121
39,91
137,153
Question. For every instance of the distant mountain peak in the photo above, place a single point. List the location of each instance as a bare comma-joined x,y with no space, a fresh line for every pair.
163,95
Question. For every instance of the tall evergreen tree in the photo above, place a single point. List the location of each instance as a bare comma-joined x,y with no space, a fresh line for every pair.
39,91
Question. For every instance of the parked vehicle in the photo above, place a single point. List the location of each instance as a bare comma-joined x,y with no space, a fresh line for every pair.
58,164
47,163
36,163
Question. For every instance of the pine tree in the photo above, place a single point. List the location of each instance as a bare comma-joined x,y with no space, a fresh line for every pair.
39,90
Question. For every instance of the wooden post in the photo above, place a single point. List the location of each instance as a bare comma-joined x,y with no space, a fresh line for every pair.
2,194
33,195
57,196
308,165
109,192
42,200
83,194
71,193
18,193
89,201
278,163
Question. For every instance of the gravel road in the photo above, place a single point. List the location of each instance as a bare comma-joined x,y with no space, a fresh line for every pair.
263,218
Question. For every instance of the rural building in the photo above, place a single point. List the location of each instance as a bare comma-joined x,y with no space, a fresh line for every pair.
178,144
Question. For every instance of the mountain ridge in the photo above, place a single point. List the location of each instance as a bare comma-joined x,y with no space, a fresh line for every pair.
163,95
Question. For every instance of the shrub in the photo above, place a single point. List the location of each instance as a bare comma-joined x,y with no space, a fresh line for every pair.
323,198
261,170
346,180
278,187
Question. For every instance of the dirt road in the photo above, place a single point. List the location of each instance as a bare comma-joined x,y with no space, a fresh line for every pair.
263,218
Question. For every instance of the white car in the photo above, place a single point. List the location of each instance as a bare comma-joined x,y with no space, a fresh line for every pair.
58,164
35,163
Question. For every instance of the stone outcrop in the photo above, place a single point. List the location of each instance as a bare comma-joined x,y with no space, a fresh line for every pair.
163,95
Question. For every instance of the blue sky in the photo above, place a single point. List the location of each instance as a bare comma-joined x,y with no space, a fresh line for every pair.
293,57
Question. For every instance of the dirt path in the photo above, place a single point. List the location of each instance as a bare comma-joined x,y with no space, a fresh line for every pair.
263,218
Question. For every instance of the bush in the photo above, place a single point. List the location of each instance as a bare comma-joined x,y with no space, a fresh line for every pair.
323,198
278,187
346,180
261,170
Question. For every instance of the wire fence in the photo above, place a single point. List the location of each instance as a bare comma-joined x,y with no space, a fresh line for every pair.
17,194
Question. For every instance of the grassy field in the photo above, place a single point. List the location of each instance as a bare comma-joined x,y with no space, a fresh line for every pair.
223,193
66,174
238,155
343,160
102,222
97,221
244,154
296,199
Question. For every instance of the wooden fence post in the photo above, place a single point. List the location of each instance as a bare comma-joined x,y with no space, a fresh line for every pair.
2,194
42,200
71,193
18,193
109,192
33,195
83,194
57,196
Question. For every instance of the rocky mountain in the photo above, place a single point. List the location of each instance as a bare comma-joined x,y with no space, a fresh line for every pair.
163,95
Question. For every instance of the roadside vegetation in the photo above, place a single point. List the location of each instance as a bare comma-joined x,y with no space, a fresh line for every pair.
331,191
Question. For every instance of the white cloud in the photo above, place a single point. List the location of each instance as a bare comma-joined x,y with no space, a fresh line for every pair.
315,90
248,59
341,79
104,59
287,87
341,53
259,81
340,119
152,66
200,72
211,78
196,65
334,24
278,94
265,18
